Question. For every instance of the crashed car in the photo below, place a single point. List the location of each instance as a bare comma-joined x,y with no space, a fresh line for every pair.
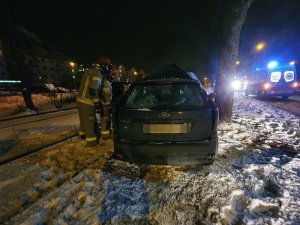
166,118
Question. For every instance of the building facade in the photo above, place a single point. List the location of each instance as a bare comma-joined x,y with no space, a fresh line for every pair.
3,72
24,57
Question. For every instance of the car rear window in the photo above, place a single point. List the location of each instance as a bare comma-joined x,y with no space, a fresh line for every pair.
162,96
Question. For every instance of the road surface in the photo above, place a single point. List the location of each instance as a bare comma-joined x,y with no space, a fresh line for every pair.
20,135
291,105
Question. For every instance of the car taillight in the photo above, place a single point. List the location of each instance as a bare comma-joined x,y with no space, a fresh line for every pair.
267,86
295,85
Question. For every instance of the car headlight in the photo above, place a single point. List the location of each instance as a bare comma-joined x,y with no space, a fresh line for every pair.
236,85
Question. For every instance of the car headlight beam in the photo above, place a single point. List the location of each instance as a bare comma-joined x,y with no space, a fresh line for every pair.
236,84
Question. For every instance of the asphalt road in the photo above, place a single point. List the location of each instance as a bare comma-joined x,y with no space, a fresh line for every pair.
291,105
20,135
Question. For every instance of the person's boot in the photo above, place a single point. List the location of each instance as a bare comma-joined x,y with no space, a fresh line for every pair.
105,134
82,137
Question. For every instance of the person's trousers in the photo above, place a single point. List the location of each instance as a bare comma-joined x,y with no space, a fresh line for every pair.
105,121
28,100
88,125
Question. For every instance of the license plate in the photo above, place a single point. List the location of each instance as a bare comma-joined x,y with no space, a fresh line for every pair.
165,128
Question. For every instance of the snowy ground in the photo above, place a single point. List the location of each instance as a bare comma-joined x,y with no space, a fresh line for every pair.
255,179
291,105
16,138
14,105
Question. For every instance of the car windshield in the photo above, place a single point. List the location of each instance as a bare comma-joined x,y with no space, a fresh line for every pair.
162,96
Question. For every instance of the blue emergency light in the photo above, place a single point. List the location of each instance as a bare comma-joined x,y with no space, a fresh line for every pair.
272,64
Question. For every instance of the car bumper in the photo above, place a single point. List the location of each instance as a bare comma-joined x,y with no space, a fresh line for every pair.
271,92
179,153
281,92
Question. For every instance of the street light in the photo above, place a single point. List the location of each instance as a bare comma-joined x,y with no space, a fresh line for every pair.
260,46
237,62
72,65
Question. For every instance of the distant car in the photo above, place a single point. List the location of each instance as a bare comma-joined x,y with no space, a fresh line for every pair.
166,118
239,84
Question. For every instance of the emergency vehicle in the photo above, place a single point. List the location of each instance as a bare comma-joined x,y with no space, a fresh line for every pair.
275,80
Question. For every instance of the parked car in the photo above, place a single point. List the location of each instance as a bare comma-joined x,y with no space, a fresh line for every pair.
166,118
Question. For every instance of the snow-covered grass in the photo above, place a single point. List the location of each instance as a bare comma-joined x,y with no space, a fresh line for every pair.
254,180
13,105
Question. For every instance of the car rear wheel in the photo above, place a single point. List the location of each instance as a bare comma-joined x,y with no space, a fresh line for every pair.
260,95
285,97
246,92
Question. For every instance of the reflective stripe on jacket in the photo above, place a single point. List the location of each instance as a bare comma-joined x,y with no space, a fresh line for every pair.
90,81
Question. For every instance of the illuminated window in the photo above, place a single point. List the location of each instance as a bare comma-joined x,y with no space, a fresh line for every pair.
289,76
275,76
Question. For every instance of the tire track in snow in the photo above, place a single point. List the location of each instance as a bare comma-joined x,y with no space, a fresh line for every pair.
62,170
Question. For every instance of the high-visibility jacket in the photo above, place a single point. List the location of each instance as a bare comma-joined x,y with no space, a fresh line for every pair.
88,93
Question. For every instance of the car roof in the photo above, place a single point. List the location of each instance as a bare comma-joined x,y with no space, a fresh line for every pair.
171,73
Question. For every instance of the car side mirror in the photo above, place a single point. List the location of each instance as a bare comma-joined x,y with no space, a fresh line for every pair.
212,96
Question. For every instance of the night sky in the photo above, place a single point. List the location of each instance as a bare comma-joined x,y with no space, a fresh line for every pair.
277,23
148,34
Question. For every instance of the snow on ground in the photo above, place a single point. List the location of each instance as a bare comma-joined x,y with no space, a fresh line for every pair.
18,139
254,180
292,104
14,105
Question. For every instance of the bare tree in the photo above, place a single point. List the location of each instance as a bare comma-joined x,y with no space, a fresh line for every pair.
234,16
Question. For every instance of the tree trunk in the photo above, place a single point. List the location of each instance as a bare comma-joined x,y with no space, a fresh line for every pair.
234,16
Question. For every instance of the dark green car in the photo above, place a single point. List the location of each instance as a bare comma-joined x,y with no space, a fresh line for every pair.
166,118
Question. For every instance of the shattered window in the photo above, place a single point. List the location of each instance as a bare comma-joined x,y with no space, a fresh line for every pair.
164,96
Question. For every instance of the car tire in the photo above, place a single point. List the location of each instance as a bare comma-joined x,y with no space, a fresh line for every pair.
285,97
259,95
262,95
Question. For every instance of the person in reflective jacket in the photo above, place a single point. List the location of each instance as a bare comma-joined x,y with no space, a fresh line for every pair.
105,112
90,98
87,101
105,93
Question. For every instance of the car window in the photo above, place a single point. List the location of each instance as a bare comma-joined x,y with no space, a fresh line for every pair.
162,96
